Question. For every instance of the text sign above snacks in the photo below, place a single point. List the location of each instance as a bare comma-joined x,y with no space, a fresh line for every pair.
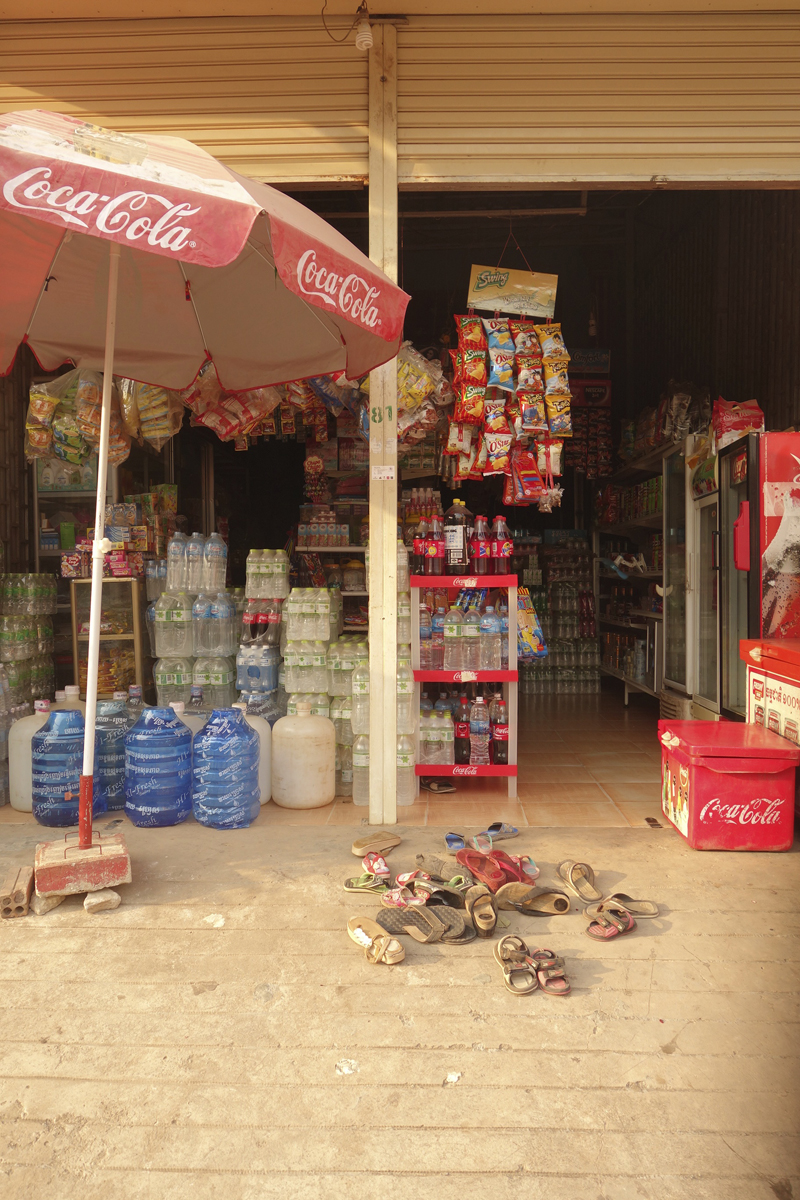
499,290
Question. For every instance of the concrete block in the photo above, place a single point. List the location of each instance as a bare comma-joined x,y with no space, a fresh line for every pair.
45,904
63,869
15,895
102,901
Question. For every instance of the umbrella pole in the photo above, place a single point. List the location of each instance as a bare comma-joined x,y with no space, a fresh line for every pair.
98,549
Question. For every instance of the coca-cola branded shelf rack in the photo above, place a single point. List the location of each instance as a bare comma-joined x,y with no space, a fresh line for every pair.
453,584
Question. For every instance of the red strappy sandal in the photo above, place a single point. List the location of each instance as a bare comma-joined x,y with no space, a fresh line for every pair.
483,868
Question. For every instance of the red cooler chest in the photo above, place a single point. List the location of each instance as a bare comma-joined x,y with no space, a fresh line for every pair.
728,786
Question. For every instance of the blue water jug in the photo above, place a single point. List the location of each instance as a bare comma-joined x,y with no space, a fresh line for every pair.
158,769
225,791
56,763
111,724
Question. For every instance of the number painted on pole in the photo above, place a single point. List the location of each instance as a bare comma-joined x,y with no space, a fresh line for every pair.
377,415
388,412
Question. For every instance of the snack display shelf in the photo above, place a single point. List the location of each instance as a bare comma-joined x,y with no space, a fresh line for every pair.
508,679
130,594
649,574
110,637
463,770
647,464
355,593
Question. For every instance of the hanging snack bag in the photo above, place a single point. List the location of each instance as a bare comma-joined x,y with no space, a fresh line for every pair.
514,416
494,415
534,415
558,416
502,369
498,450
470,407
498,334
525,340
160,414
548,458
479,464
459,438
526,474
556,377
457,358
530,374
466,460
552,341
473,368
470,333
129,405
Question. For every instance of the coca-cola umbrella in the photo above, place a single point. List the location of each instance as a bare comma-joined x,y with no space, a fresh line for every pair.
145,257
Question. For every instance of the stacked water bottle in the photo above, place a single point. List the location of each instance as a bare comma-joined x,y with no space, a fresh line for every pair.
258,659
27,603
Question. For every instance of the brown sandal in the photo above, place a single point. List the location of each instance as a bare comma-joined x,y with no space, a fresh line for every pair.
579,878
378,947
482,910
519,972
608,920
550,973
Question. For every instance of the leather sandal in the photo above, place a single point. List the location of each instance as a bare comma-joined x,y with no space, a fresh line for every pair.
608,920
519,972
579,878
378,947
482,910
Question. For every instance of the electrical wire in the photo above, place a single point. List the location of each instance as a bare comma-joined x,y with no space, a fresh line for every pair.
361,11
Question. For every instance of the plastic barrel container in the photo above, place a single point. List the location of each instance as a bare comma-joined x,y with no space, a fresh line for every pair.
158,769
225,793
303,760
56,760
111,724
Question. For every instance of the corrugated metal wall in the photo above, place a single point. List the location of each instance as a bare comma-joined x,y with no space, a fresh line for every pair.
715,298
15,474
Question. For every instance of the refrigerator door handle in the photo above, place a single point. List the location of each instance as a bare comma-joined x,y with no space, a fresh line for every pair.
714,549
741,538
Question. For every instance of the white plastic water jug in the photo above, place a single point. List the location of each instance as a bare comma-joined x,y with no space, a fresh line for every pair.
194,722
19,756
303,760
73,698
262,728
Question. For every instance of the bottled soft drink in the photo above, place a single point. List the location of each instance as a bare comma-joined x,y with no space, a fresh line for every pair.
479,548
406,776
361,770
201,626
405,697
457,522
491,648
437,639
425,638
435,547
173,624
502,546
403,619
453,623
403,574
479,733
500,736
158,769
420,547
471,640
461,731
195,569
215,564
360,710
176,563
225,791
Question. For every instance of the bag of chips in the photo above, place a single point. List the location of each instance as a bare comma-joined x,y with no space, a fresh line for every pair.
498,450
470,333
494,415
530,376
466,460
459,438
534,415
548,458
457,358
498,334
551,341
470,407
525,339
473,367
556,377
502,369
558,415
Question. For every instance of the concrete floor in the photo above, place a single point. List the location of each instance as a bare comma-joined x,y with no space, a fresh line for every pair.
219,1036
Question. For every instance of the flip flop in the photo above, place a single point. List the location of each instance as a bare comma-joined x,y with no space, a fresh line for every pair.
519,975
418,923
510,867
609,921
482,910
483,868
498,831
381,842
454,842
401,897
440,868
375,864
529,867
440,894
532,901
550,973
456,930
639,908
378,947
366,883
579,878
481,842
408,877
438,786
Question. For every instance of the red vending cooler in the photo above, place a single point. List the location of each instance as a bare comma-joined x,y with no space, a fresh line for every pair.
773,688
728,786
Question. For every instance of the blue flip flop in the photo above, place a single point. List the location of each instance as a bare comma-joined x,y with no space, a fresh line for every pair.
498,831
455,842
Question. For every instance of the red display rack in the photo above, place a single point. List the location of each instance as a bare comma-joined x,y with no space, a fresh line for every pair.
464,771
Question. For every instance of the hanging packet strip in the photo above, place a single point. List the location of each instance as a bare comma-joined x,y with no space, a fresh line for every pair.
494,415
549,458
470,407
556,377
458,363
498,450
502,369
498,333
534,416
558,416
459,438
530,376
470,333
552,341
481,459
514,417
527,480
525,340
473,367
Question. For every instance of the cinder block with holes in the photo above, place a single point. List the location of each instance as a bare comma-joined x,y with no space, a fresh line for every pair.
15,896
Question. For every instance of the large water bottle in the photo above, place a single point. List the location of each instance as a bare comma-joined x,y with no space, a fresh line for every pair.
216,676
471,640
173,680
479,733
215,564
262,727
491,650
195,563
406,776
403,619
361,771
359,719
222,636
405,697
225,792
57,759
158,769
303,760
202,627
20,738
176,563
280,587
252,575
173,624
453,652
111,724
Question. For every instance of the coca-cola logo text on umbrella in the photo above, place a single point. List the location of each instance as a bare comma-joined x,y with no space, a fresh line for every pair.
353,295
121,215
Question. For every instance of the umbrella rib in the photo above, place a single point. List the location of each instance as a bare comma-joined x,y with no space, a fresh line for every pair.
336,337
190,298
47,278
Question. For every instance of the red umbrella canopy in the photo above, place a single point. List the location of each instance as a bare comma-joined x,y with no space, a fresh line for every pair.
213,264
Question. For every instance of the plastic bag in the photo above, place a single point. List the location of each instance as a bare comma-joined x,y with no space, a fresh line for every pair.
160,414
50,416
732,421
417,377
205,392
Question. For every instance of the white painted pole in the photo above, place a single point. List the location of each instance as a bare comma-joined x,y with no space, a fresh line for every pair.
98,548
383,440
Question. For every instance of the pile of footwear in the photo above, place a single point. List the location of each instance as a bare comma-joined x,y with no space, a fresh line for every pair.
453,902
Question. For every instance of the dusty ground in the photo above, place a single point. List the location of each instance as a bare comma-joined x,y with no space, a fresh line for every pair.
220,1036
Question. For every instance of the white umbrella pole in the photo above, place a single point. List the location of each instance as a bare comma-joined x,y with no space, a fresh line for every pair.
98,548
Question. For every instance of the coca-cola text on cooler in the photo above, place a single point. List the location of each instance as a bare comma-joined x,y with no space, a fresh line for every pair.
748,813
465,770
351,294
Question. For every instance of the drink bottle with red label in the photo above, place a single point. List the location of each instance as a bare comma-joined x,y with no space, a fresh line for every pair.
479,547
421,534
462,731
500,736
457,521
434,548
502,546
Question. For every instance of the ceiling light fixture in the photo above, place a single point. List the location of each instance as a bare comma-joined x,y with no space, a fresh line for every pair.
361,24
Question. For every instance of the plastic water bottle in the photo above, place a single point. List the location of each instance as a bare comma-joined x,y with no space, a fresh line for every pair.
176,563
56,761
225,792
20,739
173,622
111,724
252,575
491,647
215,564
430,739
201,626
158,769
280,586
195,564
471,640
173,680
197,705
361,770
264,730
425,638
406,775
403,619
437,640
403,577
344,770
347,662
446,739
136,704
405,697
479,733
216,676
503,614
222,635
453,624
425,704
360,708
319,668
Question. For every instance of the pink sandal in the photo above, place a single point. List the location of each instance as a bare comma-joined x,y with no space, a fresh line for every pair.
400,897
375,864
407,877
609,920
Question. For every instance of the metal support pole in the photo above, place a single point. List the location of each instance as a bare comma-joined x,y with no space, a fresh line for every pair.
383,440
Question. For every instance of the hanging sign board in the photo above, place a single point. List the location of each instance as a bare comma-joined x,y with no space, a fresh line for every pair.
528,293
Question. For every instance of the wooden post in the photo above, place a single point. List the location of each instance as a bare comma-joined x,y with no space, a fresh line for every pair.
383,439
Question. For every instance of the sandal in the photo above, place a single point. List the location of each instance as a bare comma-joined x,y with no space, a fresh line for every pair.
510,867
454,842
408,877
441,869
366,883
481,842
439,787
377,946
550,973
530,870
482,910
609,921
375,864
579,878
485,871
532,901
639,908
401,897
441,894
381,842
456,930
519,974
498,831
418,923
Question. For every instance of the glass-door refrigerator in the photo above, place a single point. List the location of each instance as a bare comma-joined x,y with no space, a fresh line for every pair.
704,594
678,642
739,584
